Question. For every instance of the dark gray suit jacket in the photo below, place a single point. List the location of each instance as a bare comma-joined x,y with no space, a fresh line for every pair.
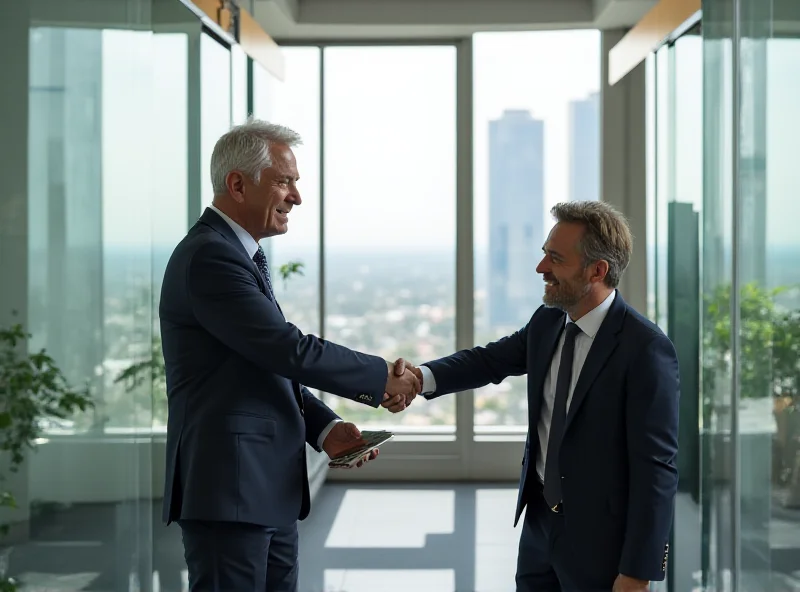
239,418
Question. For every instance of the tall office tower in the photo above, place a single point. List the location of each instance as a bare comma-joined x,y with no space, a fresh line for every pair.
584,149
516,212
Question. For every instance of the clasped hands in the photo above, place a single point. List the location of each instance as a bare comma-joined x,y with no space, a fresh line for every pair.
403,384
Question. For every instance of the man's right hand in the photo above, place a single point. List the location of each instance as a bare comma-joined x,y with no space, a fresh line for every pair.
396,402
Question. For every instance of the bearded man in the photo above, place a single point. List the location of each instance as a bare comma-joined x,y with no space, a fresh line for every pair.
599,476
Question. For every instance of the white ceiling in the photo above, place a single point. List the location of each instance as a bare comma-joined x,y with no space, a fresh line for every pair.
320,20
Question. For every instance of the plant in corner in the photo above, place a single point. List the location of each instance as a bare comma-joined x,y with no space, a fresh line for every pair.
32,389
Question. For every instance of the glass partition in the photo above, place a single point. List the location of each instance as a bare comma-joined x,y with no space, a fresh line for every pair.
86,511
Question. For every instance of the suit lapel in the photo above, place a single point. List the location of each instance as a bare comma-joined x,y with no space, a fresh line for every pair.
605,342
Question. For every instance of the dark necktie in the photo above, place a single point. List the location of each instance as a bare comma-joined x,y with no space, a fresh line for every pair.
552,473
260,259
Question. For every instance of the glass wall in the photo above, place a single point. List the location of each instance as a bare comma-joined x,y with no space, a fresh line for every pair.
100,168
751,322
86,127
724,127
536,143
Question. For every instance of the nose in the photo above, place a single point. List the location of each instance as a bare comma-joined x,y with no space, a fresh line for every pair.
294,197
543,267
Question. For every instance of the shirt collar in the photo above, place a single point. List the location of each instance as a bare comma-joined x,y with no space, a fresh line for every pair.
248,242
591,321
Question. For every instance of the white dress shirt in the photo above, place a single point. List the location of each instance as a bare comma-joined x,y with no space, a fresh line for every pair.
589,325
251,246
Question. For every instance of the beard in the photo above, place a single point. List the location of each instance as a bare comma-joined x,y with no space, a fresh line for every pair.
566,294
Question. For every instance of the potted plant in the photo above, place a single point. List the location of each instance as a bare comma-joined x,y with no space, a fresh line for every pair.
32,390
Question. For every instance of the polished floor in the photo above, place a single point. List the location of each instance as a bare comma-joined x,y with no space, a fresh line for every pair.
427,538
363,538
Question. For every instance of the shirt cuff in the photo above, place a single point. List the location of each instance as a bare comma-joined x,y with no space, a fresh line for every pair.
428,381
325,432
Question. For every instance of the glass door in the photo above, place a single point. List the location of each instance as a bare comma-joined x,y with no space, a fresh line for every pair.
675,208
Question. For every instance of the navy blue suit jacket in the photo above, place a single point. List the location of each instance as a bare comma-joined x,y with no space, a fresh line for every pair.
618,454
239,418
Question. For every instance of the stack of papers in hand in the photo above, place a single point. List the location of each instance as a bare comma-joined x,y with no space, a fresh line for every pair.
373,439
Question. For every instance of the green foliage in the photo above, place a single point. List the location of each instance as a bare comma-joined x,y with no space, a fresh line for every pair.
786,355
769,342
288,269
32,389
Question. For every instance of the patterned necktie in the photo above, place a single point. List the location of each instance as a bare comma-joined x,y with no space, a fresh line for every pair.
260,259
552,473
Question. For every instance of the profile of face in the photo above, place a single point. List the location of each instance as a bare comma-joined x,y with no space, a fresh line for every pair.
265,205
568,279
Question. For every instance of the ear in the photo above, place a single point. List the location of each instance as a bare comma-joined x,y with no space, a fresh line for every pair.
598,271
235,182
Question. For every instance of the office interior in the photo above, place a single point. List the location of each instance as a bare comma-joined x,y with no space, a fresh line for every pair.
437,136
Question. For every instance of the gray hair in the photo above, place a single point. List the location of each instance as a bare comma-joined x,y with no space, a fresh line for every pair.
607,237
246,148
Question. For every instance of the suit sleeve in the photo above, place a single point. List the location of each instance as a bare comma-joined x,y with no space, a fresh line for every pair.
228,303
317,416
479,366
653,391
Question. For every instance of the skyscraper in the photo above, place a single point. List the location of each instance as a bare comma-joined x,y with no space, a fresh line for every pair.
584,149
516,210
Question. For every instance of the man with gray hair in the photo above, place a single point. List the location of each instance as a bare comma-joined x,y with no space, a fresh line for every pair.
599,477
240,414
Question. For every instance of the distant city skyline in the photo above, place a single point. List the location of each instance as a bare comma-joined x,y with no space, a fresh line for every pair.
516,215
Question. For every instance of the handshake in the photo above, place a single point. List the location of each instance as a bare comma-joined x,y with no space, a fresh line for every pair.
403,384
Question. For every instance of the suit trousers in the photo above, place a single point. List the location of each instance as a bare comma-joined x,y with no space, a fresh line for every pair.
547,559
239,557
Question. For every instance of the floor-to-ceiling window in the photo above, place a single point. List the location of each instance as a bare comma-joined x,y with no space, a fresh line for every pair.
390,247
536,143
390,203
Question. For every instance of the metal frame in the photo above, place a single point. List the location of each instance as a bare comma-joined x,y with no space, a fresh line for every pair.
695,19
321,190
397,42
736,476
